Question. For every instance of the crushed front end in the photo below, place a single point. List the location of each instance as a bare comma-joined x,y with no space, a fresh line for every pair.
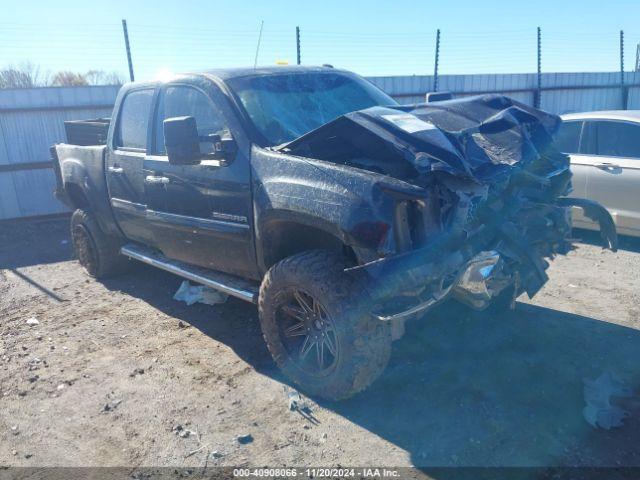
485,205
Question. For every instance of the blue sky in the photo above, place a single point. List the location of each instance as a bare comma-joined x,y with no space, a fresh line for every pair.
370,37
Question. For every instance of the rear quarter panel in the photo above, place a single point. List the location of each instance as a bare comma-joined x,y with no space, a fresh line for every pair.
83,167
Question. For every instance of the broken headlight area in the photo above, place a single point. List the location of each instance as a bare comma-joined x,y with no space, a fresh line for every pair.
484,206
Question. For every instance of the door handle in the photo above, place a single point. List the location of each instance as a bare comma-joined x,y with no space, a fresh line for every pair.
116,169
156,180
606,166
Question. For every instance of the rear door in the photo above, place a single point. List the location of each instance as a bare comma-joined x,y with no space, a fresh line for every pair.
200,214
614,180
124,161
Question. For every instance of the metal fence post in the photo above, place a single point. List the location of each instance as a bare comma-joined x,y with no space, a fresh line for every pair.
624,92
298,45
255,61
126,44
537,100
437,61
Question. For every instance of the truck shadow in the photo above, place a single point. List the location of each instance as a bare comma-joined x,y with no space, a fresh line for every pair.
462,388
22,242
473,389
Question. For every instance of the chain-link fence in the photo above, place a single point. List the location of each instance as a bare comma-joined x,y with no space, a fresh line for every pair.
97,51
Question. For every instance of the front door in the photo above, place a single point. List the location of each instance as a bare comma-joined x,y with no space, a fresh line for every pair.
200,214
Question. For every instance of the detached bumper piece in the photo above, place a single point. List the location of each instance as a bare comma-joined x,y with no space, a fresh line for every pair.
481,280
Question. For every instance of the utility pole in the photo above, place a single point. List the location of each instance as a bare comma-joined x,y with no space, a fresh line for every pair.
623,90
538,95
298,45
437,61
128,47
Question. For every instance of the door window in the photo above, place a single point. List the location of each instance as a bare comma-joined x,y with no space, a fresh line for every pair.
134,120
180,101
618,139
588,143
568,137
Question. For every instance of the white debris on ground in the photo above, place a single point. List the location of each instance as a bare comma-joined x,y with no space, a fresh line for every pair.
33,322
598,393
294,398
191,294
300,404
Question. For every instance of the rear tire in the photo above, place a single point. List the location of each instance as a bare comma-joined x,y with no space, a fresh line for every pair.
97,252
309,298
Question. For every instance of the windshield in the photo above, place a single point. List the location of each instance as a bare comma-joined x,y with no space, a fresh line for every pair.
284,107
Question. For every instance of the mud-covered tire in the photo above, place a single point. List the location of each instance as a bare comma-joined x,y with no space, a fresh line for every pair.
363,343
97,252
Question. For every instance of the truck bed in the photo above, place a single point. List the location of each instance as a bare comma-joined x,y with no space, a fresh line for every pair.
87,132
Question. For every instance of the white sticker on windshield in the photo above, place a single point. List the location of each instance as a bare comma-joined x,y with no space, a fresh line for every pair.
409,123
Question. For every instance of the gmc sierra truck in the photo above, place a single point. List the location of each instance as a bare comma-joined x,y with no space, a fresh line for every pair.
313,194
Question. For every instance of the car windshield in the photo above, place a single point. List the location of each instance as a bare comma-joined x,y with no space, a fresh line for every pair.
285,106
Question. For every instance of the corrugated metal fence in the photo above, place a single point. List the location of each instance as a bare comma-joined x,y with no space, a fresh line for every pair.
31,120
560,92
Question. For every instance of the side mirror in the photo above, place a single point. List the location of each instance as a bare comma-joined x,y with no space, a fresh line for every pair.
224,148
181,140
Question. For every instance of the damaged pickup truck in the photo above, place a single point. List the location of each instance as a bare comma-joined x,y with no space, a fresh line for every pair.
313,194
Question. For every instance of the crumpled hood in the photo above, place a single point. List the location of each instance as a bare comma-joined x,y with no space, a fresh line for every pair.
479,138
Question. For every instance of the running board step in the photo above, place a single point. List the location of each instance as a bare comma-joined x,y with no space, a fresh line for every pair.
234,286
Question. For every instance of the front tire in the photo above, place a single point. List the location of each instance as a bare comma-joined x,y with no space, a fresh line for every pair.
97,252
316,322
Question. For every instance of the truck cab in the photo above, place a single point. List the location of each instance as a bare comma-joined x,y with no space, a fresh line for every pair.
185,209
190,208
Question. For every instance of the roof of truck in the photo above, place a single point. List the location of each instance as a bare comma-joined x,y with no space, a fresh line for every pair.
224,74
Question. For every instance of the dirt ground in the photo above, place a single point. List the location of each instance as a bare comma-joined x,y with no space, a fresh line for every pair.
119,374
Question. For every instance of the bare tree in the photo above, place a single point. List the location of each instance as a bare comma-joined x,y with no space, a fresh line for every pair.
100,77
68,79
29,76
26,75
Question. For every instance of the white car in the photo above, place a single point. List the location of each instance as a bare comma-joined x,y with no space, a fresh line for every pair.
605,160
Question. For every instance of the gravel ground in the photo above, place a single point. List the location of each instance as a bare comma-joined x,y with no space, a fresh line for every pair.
117,373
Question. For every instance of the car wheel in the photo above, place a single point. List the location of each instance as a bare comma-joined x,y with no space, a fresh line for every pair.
316,322
97,252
